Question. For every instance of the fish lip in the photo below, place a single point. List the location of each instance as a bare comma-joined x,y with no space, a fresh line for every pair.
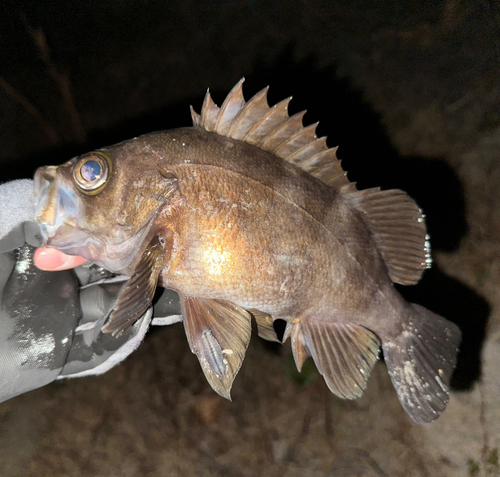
56,204
45,177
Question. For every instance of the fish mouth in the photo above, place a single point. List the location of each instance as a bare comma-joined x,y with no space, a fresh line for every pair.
55,205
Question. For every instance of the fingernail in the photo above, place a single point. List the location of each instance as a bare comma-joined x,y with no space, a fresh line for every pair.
48,259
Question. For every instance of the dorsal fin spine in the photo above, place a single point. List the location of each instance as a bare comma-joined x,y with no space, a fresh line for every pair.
232,106
271,129
312,161
208,120
304,137
303,153
247,117
282,132
195,116
274,117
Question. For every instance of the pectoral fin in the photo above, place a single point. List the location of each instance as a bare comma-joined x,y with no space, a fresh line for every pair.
138,292
218,333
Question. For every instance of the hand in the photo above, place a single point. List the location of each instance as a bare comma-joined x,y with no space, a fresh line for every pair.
39,310
50,322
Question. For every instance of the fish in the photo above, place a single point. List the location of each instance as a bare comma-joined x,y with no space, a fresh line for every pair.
249,215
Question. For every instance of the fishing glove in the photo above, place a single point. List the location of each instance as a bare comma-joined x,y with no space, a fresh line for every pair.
50,322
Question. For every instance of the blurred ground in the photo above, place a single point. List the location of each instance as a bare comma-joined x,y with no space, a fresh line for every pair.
411,94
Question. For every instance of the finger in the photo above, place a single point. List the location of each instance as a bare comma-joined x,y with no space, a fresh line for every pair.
52,260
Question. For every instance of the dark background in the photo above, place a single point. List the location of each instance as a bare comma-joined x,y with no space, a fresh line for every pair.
408,90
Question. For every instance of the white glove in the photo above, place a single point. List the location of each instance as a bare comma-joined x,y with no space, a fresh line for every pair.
50,322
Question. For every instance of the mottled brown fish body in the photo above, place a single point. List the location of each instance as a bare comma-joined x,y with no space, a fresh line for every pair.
247,214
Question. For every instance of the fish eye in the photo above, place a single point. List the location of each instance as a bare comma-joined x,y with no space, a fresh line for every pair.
91,172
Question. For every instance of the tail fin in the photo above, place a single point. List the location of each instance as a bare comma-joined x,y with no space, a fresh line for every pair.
420,362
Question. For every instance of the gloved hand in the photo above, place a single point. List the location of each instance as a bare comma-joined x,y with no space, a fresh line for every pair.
50,322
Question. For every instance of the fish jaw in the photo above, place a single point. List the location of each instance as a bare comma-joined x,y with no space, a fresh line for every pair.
58,211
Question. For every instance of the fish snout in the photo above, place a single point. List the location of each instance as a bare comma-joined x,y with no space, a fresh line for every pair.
46,195
55,204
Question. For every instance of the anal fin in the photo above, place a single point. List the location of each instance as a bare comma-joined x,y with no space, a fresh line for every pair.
137,294
218,333
343,353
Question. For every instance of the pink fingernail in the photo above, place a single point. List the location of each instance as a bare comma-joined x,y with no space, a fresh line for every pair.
48,259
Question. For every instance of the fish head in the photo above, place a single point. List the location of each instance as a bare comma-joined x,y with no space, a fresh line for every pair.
102,205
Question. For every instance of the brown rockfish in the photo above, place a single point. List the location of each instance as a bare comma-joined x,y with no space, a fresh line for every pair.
249,213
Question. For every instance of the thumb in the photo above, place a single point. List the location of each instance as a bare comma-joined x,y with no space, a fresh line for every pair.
51,259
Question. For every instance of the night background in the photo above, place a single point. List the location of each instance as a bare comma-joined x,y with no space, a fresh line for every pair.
409,90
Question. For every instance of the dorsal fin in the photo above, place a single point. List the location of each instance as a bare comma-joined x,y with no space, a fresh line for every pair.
398,228
271,129
395,221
